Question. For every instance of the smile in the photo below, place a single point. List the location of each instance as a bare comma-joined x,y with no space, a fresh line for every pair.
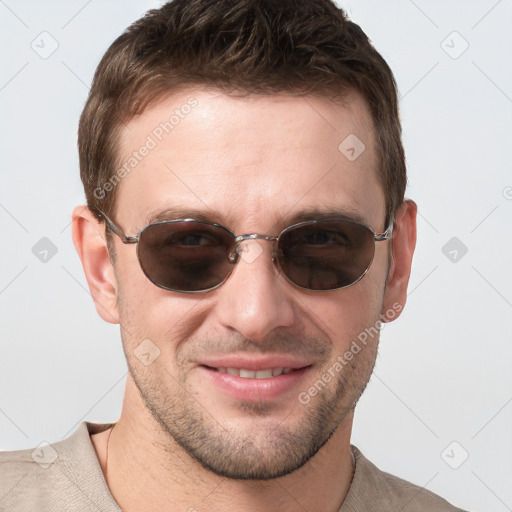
253,374
260,384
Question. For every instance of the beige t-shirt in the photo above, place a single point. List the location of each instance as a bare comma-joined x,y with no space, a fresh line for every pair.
66,476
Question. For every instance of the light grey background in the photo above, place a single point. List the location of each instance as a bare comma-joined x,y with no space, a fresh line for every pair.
444,369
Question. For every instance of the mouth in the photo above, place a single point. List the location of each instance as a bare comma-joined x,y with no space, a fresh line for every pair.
256,381
253,374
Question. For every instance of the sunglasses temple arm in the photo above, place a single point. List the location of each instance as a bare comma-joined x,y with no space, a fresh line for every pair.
125,239
386,235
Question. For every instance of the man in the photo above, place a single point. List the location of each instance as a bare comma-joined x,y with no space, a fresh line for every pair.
246,227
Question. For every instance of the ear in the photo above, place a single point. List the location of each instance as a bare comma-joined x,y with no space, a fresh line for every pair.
403,244
90,243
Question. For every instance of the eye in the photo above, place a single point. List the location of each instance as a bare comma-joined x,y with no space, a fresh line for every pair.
325,237
194,239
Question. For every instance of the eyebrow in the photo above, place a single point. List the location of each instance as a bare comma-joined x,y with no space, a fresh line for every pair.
174,213
209,215
328,212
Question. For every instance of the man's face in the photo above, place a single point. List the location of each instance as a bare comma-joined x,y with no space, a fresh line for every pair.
251,165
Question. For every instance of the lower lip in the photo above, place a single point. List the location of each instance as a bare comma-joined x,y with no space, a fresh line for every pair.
254,390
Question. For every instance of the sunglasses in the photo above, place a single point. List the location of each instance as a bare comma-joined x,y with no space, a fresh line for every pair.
187,255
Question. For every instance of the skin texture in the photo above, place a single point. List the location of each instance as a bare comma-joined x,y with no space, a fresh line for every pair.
250,164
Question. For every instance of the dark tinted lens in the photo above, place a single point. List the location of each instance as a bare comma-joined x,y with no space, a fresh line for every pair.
185,256
326,255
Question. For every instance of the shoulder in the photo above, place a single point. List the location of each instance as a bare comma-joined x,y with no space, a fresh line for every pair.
57,476
27,475
374,489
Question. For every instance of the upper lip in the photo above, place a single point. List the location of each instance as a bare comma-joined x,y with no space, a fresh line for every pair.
255,363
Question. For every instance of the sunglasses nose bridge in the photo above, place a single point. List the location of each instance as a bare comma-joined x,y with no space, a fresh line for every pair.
250,236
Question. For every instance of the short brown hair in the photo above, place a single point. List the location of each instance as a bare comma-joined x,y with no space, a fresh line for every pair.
253,46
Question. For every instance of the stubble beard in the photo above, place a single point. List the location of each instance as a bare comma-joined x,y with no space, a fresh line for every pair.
261,452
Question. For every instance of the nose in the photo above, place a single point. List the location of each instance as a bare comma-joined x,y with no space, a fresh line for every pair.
255,299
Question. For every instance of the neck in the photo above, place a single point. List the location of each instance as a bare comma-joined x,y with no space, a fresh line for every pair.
146,471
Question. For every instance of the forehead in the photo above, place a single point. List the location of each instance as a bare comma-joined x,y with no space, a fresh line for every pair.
249,162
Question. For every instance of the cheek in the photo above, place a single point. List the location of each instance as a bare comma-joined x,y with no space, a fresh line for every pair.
154,319
347,313
134,290
143,307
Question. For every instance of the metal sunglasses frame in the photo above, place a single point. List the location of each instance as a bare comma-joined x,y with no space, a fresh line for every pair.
238,239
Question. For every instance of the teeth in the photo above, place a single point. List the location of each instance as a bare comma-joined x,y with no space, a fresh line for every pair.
262,374
252,374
